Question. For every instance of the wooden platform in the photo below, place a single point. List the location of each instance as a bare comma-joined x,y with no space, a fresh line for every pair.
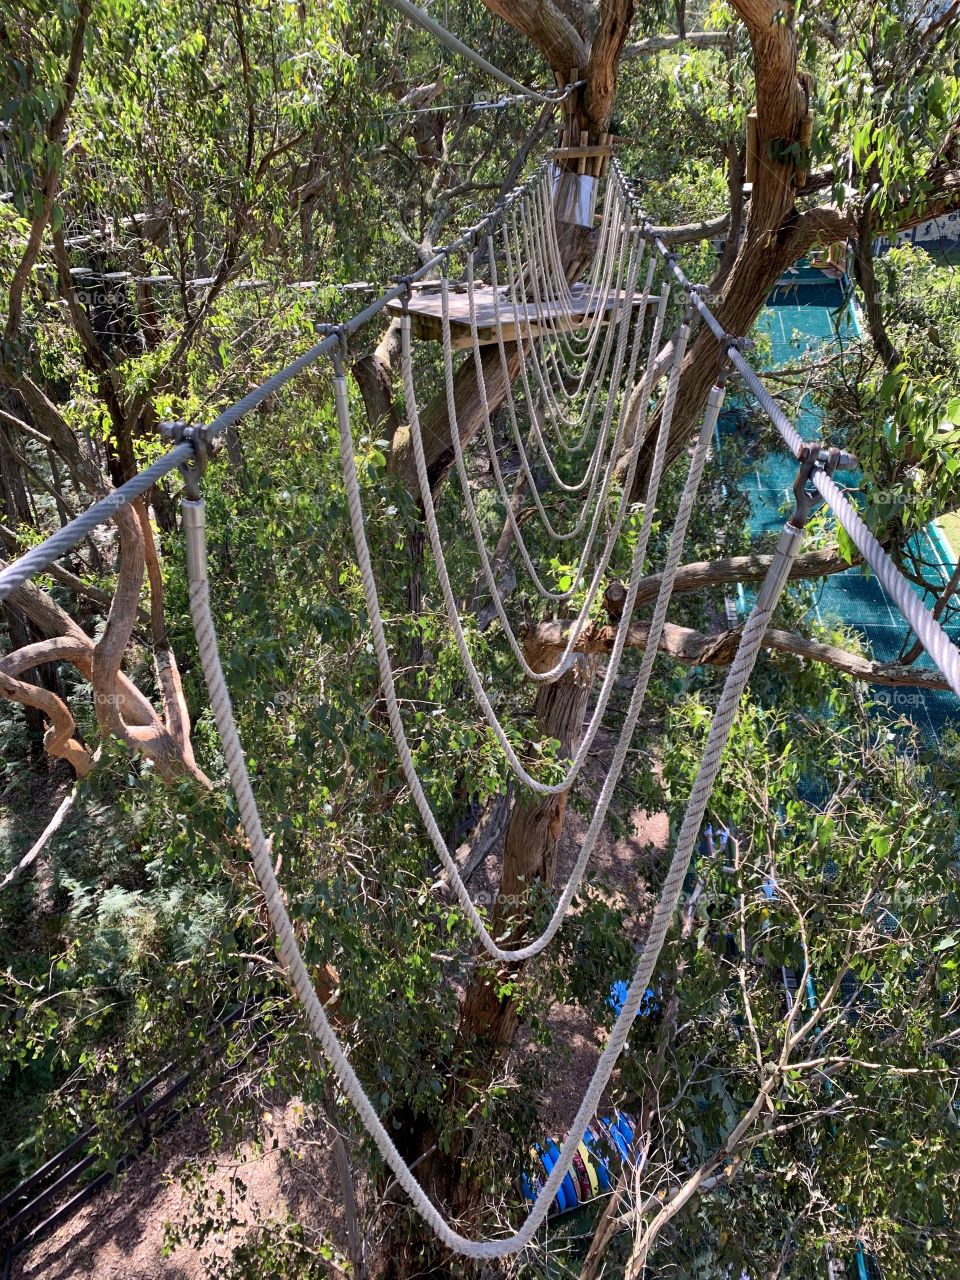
426,311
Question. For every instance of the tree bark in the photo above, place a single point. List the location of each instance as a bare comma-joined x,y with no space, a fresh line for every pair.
718,649
529,857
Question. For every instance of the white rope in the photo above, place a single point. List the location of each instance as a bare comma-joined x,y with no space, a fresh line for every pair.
921,619
288,946
538,346
589,478
573,345
387,683
521,301
646,391
566,660
527,348
602,438
564,348
545,592
473,676
522,286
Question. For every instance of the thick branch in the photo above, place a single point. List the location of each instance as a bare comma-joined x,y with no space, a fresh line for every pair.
140,726
609,39
544,24
59,739
689,232
719,649
165,663
695,39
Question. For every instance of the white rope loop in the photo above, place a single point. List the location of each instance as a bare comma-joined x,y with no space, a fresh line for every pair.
289,948
521,301
625,400
473,676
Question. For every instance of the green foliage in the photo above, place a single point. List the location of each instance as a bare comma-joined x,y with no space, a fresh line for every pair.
262,145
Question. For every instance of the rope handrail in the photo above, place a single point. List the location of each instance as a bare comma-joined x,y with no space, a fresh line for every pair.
289,948
191,441
920,618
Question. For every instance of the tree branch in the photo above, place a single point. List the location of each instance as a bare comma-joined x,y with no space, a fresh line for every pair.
718,649
549,29
695,39
688,232
55,131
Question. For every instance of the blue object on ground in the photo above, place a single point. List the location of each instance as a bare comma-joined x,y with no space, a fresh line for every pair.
649,1005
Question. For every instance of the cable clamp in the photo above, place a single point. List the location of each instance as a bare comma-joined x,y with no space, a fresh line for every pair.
738,343
406,284
812,458
729,341
338,331
198,438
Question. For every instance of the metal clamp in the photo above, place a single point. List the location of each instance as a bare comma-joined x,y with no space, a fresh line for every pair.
738,343
338,331
406,285
807,499
199,440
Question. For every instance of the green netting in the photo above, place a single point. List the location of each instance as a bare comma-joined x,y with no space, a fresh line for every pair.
802,314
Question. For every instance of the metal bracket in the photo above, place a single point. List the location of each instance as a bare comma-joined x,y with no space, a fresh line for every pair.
199,439
738,342
813,458
406,284
692,292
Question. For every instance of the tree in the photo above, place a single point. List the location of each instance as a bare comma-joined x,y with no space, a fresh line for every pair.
207,148
808,1029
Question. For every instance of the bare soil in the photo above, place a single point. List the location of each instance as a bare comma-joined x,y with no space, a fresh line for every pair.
120,1233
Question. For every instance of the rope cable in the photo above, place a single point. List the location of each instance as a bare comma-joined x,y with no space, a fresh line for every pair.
645,393
289,947
457,46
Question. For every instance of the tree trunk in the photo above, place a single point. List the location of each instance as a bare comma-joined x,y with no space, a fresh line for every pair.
775,236
529,856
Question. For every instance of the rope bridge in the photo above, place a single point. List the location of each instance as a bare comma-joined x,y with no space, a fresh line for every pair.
594,369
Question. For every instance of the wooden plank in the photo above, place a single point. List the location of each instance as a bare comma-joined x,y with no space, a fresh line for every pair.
575,153
426,315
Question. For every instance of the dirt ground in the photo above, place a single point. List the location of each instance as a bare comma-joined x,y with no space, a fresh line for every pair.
119,1234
